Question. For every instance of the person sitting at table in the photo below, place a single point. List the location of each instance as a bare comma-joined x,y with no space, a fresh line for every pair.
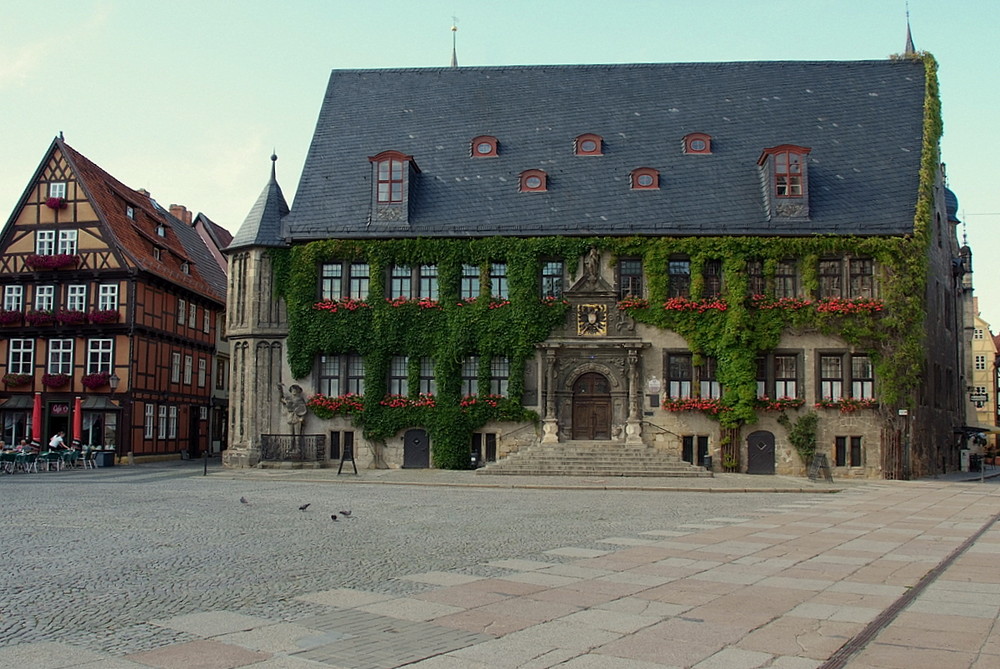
24,447
57,443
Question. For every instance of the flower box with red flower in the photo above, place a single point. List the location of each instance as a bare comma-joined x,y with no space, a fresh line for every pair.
473,400
57,261
16,380
633,303
325,406
847,404
104,316
783,303
846,307
704,404
68,317
40,317
779,404
55,380
56,203
499,304
343,304
701,306
10,317
96,380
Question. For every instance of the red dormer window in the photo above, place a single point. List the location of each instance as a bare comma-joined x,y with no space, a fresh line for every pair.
484,146
697,143
644,178
588,145
787,168
533,181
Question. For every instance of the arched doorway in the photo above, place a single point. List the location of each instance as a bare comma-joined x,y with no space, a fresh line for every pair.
416,450
592,407
760,452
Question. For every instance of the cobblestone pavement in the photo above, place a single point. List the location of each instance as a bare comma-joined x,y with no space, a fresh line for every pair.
94,555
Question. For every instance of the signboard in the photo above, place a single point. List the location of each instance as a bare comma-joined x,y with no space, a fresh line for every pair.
979,397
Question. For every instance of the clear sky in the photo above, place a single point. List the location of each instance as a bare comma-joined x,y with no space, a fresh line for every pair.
187,98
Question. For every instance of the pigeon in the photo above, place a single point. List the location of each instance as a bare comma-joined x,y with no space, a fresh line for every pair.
333,517
244,500
346,514
304,507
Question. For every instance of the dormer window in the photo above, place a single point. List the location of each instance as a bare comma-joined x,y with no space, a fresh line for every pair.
697,143
534,181
644,178
785,174
484,146
393,176
156,254
161,230
185,268
130,211
588,145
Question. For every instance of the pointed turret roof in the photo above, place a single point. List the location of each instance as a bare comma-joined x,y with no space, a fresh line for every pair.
262,226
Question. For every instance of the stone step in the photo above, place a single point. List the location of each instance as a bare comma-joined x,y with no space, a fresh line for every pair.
599,458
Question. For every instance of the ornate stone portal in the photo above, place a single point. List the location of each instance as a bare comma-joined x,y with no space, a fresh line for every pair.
592,367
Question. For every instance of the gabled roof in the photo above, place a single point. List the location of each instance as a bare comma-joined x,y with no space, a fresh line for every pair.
135,238
262,226
863,121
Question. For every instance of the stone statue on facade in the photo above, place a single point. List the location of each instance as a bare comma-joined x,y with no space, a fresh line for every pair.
295,407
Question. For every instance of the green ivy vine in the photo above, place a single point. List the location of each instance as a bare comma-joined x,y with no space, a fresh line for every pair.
893,337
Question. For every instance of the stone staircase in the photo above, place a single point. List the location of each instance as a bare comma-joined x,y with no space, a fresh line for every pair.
592,458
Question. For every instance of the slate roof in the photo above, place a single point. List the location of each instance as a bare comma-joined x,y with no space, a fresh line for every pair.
863,121
136,238
262,226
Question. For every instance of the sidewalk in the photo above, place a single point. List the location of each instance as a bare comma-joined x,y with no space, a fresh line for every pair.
884,574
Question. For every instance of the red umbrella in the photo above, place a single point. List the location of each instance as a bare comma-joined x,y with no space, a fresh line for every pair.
36,420
77,422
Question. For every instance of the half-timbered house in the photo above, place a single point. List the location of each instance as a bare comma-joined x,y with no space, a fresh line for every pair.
111,314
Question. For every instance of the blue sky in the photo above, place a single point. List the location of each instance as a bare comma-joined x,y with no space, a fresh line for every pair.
187,98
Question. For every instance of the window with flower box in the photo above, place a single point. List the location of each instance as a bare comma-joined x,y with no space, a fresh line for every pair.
13,298
57,189
862,377
857,274
45,298
470,376
107,296
708,383
629,278
831,377
427,282
100,355
400,282
778,376
499,375
76,297
711,273
67,242
399,372
21,356
45,242
786,279
679,274
756,283
847,452
60,356
679,375
469,289
498,280
331,275
552,279
428,384
341,374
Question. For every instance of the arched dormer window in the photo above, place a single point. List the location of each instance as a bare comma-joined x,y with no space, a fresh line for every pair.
484,146
644,178
787,164
697,143
533,181
393,174
588,145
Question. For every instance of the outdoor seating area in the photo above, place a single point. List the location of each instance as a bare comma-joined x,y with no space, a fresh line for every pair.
87,457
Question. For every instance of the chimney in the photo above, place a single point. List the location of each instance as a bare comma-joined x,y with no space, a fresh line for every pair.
181,213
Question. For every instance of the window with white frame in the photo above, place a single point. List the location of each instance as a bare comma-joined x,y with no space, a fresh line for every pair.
13,298
161,427
708,382
175,367
193,315
99,355
45,298
76,297
679,374
45,242
149,420
202,372
60,356
172,422
831,377
188,369
778,376
107,296
862,377
181,312
67,242
57,189
206,321
21,356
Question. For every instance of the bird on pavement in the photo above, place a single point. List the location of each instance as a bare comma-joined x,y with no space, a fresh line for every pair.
333,517
346,514
244,500
304,506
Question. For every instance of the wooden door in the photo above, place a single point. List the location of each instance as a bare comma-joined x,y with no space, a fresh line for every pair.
592,407
760,453
416,450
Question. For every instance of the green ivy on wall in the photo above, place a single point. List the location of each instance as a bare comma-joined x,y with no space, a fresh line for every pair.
735,336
